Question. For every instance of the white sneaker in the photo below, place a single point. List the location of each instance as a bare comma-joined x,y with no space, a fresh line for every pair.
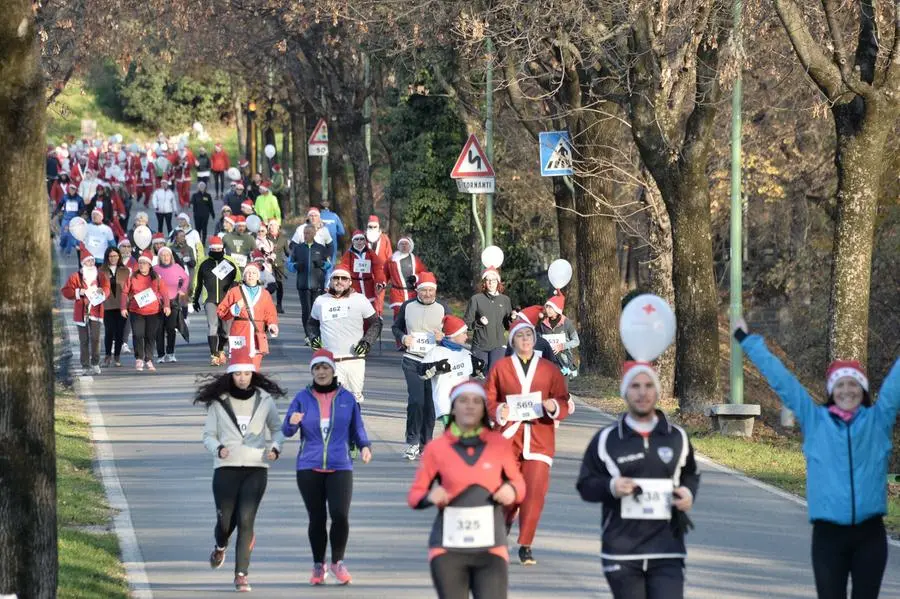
163,359
96,369
126,349
412,452
172,358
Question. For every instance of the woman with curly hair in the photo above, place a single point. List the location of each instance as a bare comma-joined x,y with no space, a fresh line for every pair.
243,432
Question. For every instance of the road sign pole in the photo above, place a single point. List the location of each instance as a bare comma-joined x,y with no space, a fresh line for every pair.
325,163
737,365
489,142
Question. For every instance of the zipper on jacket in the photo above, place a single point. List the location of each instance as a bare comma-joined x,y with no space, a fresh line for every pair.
328,436
852,489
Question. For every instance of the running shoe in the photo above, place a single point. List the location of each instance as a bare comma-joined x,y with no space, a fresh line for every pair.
241,584
214,360
150,366
126,349
217,558
172,358
96,369
118,363
525,557
340,572
107,361
139,365
319,574
412,452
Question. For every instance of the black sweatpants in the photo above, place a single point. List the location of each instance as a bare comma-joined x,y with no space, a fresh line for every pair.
164,218
455,574
237,492
307,299
201,225
419,406
335,489
143,330
645,579
168,328
114,329
219,178
858,552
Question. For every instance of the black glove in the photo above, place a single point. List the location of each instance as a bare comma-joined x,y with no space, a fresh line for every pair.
443,366
361,348
477,366
680,523
196,306
411,281
316,343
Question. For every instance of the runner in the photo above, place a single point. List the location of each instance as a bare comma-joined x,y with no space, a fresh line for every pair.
379,243
448,364
279,253
310,259
417,327
253,312
329,421
214,275
488,315
239,243
113,321
847,439
88,288
560,333
526,396
242,431
164,204
642,469
176,281
266,204
98,236
366,268
471,475
401,271
70,205
142,298
345,324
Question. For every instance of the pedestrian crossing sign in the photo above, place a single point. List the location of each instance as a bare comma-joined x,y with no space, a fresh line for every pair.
556,154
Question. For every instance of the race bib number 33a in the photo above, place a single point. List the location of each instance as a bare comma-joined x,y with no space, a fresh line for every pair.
654,502
525,406
468,527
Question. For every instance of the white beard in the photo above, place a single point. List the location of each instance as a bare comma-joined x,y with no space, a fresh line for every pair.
89,274
373,235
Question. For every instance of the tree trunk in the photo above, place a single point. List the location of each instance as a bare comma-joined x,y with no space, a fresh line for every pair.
28,559
599,308
661,274
567,227
240,122
285,160
299,179
362,177
862,133
342,198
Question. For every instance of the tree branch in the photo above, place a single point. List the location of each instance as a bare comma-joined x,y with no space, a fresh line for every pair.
823,71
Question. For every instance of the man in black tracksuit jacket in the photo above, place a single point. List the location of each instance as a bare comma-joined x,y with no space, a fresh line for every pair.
643,548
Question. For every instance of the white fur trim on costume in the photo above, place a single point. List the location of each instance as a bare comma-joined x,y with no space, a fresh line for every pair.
518,327
852,373
321,360
635,370
470,387
242,367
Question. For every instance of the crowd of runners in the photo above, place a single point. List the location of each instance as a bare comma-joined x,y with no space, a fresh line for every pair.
496,379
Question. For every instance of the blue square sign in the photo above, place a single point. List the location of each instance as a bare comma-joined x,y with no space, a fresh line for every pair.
556,154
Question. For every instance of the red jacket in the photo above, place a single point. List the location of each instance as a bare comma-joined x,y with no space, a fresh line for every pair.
219,161
382,247
392,272
365,282
75,289
264,314
138,283
532,439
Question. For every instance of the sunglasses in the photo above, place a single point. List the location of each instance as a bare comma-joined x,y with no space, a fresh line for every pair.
340,278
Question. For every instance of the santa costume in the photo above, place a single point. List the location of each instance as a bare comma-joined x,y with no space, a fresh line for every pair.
379,243
366,270
397,270
253,313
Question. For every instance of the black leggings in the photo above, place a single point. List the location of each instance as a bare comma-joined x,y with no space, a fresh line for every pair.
859,552
114,329
455,574
219,177
164,218
238,492
168,327
335,488
279,291
645,579
201,224
143,330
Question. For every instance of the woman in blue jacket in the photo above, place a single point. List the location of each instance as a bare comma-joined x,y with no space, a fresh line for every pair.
329,421
847,444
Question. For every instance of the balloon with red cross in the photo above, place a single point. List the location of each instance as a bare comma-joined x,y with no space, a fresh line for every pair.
647,327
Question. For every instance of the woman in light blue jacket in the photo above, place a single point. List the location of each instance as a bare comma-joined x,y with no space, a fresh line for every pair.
847,444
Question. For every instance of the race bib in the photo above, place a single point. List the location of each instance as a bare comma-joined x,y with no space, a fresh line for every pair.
239,259
237,341
95,243
362,267
243,424
555,338
223,269
525,406
422,343
468,527
654,502
145,298
203,174
71,206
336,311
458,370
96,296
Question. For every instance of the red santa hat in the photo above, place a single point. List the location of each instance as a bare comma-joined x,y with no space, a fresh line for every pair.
243,163
531,314
229,218
312,210
340,270
124,241
845,369
454,325
265,185
215,243
253,265
247,204
164,180
469,386
357,234
374,219
276,168
239,185
157,238
145,258
240,360
518,325
557,302
165,249
407,239
491,271
632,369
239,219
84,254
322,356
98,211
426,279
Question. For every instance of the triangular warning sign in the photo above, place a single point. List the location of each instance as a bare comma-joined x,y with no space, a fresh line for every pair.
319,134
561,158
472,162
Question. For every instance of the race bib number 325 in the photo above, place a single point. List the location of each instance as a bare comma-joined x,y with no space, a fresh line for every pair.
468,527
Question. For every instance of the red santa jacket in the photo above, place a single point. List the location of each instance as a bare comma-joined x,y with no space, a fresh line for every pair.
261,311
145,173
219,161
182,164
535,439
76,289
394,274
382,247
364,282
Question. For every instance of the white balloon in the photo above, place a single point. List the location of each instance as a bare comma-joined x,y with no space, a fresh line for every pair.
559,273
647,327
492,257
253,223
78,228
117,138
270,151
142,236
233,173
198,127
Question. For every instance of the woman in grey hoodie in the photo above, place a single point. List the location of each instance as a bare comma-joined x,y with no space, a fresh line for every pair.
243,432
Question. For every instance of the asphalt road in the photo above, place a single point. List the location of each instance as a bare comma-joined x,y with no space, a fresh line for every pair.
749,542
